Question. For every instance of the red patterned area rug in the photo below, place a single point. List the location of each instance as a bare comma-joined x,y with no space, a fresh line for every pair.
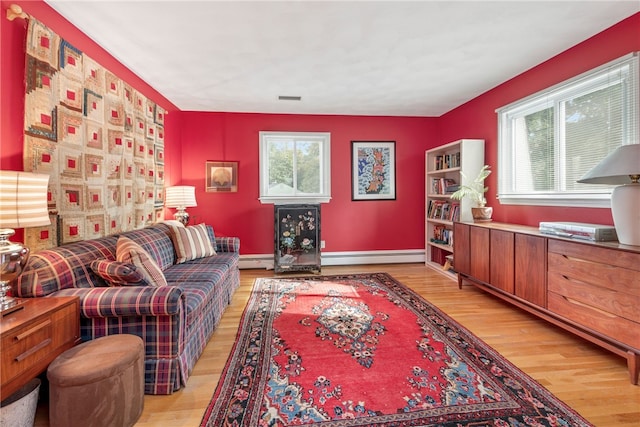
365,350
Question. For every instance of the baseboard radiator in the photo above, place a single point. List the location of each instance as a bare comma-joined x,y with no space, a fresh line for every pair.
343,258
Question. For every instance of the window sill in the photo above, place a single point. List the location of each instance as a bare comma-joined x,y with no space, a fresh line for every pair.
294,200
575,200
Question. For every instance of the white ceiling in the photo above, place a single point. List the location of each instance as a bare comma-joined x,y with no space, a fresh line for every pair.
413,58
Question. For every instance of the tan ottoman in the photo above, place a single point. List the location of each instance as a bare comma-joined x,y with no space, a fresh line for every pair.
98,383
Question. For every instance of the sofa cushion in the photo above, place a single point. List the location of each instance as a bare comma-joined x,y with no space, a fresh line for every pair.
62,267
117,273
130,252
199,285
191,243
156,240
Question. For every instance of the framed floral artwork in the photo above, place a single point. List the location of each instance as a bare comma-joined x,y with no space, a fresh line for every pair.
373,170
222,176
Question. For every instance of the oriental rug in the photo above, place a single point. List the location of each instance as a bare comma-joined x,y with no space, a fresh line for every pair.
365,350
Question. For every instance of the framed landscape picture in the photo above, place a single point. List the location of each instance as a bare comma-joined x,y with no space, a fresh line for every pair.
222,176
373,170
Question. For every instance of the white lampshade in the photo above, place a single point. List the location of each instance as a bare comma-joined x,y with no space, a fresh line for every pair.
180,196
617,168
622,168
23,199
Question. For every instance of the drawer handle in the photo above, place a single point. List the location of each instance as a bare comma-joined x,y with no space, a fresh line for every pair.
570,258
43,344
581,304
36,328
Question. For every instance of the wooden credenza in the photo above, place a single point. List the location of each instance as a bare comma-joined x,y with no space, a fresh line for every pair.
591,289
35,335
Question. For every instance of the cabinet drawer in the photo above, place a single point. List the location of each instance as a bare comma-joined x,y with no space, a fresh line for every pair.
25,346
602,298
600,255
597,273
618,328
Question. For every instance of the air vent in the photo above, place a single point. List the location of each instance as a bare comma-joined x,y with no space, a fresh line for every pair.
289,98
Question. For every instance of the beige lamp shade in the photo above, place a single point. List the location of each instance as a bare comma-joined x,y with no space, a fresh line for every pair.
180,196
617,168
23,199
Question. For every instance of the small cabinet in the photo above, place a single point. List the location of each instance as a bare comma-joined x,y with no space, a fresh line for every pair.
34,336
501,260
471,248
479,248
297,238
461,249
531,269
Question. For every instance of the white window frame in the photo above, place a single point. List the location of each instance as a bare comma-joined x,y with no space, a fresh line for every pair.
596,196
324,138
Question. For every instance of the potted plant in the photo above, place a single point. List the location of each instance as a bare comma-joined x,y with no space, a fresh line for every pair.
475,191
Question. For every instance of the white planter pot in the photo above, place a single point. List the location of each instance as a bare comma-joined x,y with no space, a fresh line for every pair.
482,214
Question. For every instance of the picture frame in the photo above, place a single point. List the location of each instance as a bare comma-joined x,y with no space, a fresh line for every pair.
221,176
373,170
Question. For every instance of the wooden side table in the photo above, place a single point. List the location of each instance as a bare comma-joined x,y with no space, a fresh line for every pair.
35,335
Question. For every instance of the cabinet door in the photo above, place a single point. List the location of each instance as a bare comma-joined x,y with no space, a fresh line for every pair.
479,247
531,267
461,251
502,260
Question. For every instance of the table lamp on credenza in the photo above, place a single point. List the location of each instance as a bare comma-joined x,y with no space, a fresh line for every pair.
23,203
622,168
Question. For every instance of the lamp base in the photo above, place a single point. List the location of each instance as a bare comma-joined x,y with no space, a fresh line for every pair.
182,216
13,258
9,304
625,200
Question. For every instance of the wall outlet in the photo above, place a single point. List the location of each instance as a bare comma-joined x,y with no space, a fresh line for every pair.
321,244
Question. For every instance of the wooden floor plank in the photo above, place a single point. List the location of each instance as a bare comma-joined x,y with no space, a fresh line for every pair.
591,380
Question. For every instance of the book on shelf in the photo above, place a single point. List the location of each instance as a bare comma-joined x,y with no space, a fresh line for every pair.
443,186
446,161
442,235
443,210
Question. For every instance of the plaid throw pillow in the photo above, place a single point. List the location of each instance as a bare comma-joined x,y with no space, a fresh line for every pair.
191,243
130,252
118,273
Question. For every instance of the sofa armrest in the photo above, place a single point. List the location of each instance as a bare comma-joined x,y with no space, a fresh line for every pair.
227,244
128,301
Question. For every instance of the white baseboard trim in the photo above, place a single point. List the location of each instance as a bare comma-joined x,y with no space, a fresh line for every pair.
343,258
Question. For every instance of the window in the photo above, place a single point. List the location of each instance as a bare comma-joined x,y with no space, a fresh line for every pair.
549,140
295,167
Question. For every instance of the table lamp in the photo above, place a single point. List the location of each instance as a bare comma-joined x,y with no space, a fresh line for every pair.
622,168
23,203
181,197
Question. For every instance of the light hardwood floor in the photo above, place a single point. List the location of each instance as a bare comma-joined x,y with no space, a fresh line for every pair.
592,381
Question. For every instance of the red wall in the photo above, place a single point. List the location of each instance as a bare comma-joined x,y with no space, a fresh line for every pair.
192,138
478,119
346,225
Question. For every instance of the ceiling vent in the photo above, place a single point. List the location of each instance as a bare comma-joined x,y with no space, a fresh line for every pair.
289,98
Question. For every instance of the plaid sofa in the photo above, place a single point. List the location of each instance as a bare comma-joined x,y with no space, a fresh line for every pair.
174,321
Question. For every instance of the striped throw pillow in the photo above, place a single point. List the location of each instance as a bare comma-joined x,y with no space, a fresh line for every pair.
191,243
129,251
117,273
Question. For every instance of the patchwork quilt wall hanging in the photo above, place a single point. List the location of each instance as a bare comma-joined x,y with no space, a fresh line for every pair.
100,140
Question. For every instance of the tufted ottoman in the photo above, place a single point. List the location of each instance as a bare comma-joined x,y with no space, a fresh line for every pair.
98,383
